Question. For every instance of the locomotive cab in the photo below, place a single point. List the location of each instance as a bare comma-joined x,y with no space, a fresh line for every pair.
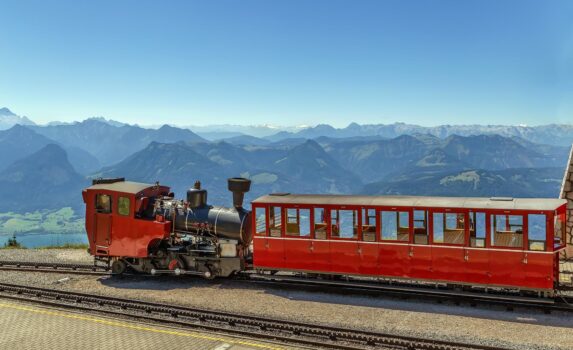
112,222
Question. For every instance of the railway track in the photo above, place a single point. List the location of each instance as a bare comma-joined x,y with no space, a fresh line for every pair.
561,303
293,333
53,267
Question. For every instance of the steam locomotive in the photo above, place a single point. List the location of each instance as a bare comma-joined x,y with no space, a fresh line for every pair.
153,232
507,243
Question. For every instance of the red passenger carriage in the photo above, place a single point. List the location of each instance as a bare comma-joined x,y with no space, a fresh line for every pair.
497,242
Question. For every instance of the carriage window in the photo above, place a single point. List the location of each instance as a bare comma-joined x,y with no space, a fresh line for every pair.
123,206
449,228
319,223
395,226
536,231
103,203
559,234
477,230
344,223
298,222
261,215
275,221
507,231
369,225
420,227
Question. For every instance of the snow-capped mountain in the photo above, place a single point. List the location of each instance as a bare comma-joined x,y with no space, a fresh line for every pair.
8,119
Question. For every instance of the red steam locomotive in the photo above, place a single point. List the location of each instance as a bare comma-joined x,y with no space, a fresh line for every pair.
505,243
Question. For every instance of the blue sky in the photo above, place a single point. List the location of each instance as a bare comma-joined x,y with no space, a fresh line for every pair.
289,62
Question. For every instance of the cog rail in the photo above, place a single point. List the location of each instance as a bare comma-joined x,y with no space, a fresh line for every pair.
34,266
307,334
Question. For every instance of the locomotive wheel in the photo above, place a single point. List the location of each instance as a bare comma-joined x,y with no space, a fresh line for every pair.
209,275
118,267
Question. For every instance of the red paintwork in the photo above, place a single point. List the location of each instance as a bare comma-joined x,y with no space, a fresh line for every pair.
453,263
118,235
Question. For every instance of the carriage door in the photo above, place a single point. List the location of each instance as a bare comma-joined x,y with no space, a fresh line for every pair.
102,237
268,249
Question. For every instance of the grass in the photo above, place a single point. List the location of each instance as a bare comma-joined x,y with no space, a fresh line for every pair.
67,246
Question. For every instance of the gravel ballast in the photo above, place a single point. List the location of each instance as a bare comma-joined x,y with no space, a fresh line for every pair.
521,329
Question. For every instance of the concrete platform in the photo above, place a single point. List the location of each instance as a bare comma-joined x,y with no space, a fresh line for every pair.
30,327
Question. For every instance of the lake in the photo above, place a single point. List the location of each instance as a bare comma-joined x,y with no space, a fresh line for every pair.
35,240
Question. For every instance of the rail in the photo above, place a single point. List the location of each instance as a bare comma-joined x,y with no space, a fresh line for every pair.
289,332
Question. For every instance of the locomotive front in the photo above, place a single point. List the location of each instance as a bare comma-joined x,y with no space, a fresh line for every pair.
205,240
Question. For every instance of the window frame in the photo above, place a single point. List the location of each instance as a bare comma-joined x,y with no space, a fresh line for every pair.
554,216
110,210
444,212
369,218
271,208
358,223
486,227
298,208
129,212
547,231
266,231
326,215
491,224
396,210
427,214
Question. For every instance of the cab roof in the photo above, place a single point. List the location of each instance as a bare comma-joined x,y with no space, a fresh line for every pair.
122,186
543,204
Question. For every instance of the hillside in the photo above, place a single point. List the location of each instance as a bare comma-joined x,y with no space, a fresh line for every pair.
42,180
474,183
20,141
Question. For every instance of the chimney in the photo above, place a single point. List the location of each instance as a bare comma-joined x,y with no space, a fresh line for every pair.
239,186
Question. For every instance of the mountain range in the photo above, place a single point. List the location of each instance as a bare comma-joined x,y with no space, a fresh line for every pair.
44,167
553,134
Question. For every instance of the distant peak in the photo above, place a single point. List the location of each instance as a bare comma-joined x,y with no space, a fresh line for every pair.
324,127
104,120
7,112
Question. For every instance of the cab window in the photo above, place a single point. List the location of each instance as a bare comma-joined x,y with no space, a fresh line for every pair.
123,206
103,203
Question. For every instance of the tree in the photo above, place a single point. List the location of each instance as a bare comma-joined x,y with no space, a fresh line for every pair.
12,243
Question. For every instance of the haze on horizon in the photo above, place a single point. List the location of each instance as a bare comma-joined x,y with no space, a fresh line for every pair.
289,62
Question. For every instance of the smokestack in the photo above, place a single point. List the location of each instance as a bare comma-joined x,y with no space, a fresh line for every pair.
239,186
